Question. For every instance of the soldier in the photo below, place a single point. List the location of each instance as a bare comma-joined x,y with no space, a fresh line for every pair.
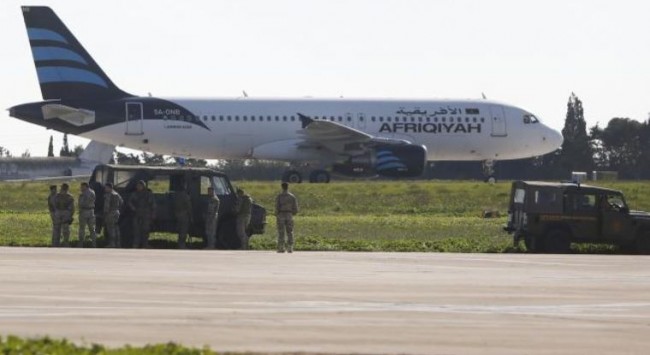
63,213
112,204
52,208
87,214
211,216
244,206
286,206
143,205
183,214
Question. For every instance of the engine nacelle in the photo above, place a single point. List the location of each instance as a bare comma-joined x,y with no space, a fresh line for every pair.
387,160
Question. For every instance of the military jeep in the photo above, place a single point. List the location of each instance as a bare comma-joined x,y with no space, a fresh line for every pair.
548,217
164,182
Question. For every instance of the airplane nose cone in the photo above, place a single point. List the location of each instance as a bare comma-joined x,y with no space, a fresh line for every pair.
552,139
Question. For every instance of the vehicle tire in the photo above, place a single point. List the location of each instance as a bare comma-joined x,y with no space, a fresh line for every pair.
532,243
319,177
557,241
292,176
642,243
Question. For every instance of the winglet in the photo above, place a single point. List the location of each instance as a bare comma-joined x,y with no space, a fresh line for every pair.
306,120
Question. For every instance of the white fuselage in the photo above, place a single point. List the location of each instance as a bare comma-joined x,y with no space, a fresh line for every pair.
270,128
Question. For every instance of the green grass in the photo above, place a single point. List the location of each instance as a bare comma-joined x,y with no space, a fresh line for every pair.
13,345
354,216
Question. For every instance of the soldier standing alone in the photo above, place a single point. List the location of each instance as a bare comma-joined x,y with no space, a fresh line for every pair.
143,205
211,216
183,213
112,204
244,207
52,208
286,206
87,214
63,212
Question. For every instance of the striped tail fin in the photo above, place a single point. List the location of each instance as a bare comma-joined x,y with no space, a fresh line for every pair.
65,70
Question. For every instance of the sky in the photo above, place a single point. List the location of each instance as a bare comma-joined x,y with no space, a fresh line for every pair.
532,54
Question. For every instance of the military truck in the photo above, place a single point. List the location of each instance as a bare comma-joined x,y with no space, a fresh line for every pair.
548,217
164,182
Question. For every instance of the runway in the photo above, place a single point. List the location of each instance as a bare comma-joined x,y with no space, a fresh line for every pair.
330,302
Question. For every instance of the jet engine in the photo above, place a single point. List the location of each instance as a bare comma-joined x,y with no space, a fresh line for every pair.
386,160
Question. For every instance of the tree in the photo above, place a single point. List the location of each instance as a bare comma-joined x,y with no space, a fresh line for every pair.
78,149
4,152
65,149
619,146
26,154
50,147
576,153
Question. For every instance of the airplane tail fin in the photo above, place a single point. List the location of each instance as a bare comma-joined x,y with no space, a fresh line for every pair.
97,153
65,70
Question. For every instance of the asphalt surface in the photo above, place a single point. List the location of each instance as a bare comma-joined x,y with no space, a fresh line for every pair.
330,302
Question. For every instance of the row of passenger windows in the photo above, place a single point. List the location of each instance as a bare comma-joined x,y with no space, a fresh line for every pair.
339,119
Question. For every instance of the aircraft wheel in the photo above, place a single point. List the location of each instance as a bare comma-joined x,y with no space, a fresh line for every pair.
292,176
491,179
319,177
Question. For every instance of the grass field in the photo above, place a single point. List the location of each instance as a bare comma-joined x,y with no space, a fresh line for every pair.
354,216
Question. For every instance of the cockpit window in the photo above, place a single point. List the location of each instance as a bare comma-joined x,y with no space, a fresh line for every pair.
530,119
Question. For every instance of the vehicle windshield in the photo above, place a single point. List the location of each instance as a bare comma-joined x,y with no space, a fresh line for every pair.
613,202
530,119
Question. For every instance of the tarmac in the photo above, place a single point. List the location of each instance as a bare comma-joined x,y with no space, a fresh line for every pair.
330,302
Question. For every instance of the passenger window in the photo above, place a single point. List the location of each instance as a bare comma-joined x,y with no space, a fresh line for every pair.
122,178
585,203
159,184
205,183
520,195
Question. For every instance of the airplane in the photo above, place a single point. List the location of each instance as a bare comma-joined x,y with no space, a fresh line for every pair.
56,168
354,137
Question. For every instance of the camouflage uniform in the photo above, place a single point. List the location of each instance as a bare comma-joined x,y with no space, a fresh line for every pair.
286,206
211,216
183,214
64,210
52,209
144,206
87,216
112,204
244,206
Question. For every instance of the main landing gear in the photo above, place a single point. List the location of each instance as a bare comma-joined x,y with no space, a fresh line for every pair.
488,171
316,176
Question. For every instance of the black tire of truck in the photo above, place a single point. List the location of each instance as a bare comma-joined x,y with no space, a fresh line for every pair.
532,243
557,241
642,243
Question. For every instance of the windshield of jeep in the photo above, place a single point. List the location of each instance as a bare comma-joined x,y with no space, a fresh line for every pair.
221,185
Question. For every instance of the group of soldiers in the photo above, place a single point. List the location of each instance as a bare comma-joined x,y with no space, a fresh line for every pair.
142,203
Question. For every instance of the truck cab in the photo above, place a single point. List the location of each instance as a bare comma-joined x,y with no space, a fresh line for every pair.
164,182
551,216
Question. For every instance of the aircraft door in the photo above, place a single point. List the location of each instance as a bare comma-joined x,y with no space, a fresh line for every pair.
134,116
361,121
498,119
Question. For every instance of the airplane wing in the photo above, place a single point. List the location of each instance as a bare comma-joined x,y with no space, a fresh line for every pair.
339,138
